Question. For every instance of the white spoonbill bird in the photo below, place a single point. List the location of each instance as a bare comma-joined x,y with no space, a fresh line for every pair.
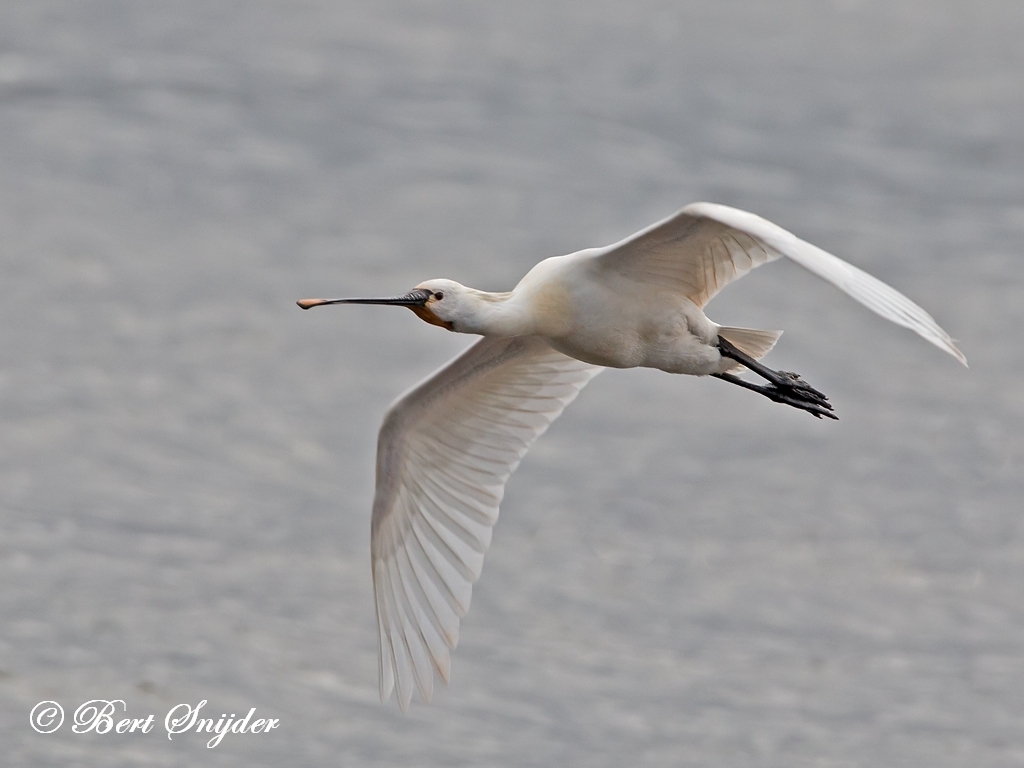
449,444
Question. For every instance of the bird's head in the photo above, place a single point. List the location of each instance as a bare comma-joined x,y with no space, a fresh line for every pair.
445,304
438,302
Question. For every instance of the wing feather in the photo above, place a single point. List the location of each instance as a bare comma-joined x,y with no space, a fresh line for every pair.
444,453
426,618
705,246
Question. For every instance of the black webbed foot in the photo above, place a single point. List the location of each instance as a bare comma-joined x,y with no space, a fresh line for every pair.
793,381
784,386
817,405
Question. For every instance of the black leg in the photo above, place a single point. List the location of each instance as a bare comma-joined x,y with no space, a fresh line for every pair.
785,387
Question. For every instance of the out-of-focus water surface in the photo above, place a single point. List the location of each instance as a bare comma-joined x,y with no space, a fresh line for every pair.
684,573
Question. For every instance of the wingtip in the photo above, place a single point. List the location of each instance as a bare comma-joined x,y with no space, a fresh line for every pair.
950,347
385,677
961,357
404,700
387,684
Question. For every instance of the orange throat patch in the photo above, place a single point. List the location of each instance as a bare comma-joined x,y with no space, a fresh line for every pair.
425,313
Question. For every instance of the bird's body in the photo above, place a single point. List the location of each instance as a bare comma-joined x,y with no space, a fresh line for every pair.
604,319
448,445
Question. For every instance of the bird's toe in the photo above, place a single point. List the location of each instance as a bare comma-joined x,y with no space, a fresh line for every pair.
795,383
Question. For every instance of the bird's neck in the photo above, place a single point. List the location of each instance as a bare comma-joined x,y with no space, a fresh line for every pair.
495,314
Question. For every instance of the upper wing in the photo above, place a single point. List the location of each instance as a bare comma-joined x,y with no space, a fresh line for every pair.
706,246
444,453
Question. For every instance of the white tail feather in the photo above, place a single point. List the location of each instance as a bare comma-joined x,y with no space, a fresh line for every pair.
751,341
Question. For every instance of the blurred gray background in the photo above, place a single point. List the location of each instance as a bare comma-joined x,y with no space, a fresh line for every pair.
684,573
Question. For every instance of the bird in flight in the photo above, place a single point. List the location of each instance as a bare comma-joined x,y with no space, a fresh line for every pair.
448,445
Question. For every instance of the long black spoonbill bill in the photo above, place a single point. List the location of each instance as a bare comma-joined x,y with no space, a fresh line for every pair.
449,444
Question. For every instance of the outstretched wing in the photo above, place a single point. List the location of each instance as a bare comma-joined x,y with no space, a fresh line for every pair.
706,246
444,453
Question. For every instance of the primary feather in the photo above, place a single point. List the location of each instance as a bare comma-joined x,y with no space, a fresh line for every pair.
444,453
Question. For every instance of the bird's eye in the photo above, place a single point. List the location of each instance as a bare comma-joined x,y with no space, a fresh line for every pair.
439,295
